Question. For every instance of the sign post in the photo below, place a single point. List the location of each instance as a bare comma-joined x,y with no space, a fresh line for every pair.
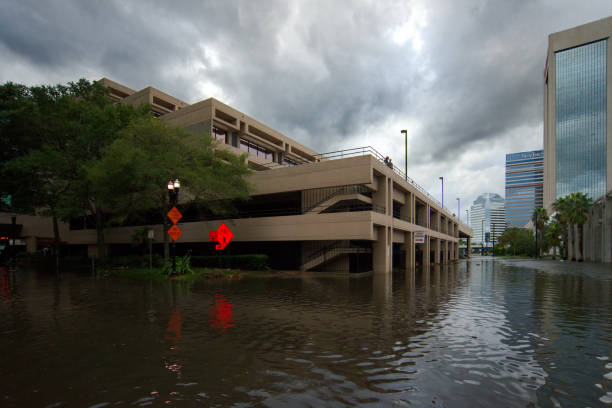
175,215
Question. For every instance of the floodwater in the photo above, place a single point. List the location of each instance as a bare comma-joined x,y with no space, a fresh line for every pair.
484,333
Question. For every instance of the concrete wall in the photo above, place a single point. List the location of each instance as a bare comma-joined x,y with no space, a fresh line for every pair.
597,231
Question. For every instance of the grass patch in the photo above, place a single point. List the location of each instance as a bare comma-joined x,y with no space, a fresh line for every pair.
210,273
158,274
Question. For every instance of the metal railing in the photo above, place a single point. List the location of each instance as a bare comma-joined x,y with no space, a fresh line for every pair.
363,151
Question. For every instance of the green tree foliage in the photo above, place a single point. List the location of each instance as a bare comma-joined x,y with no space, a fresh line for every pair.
131,177
50,135
562,211
518,241
553,236
539,219
572,210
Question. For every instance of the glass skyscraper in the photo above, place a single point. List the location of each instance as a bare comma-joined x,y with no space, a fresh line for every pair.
577,149
581,120
524,186
487,218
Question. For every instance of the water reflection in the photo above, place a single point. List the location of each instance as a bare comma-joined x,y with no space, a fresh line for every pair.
221,314
5,284
479,334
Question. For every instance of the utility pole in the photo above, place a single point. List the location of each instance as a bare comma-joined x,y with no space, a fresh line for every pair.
405,132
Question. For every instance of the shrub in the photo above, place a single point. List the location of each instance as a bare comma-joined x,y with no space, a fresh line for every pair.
245,262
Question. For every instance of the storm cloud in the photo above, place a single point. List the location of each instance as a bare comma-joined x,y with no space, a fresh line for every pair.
465,78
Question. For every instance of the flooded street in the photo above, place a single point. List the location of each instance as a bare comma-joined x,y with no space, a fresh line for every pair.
482,333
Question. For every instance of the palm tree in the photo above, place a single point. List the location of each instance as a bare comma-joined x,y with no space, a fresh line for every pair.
580,204
553,232
539,219
562,211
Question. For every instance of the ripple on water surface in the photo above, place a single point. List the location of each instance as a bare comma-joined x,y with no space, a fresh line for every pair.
496,334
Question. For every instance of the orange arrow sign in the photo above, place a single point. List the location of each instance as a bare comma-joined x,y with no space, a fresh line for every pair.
174,214
174,232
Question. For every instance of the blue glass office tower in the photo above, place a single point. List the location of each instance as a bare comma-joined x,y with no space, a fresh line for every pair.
577,149
581,120
524,186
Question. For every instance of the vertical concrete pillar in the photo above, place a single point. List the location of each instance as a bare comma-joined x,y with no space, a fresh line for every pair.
437,251
30,244
446,253
426,253
469,247
406,210
409,250
381,251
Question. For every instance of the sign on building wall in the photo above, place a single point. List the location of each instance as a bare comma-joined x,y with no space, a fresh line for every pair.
419,237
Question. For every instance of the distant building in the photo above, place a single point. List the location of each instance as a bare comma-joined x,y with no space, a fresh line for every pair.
577,132
524,186
487,218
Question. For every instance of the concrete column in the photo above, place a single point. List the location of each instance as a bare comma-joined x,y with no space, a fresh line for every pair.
446,252
30,244
381,251
406,210
469,247
380,197
426,255
437,251
409,249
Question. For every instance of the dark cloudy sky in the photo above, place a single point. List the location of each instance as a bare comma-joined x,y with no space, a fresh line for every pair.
463,76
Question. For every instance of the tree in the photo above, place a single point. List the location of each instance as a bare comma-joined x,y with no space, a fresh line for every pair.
553,234
519,241
131,178
539,219
53,133
562,216
580,204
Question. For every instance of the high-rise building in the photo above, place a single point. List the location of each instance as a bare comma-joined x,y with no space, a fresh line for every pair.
487,218
524,184
577,145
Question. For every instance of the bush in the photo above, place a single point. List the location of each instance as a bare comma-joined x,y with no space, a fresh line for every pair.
245,262
133,261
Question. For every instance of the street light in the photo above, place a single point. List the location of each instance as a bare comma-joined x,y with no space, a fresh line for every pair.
482,237
13,225
173,194
442,178
405,132
459,208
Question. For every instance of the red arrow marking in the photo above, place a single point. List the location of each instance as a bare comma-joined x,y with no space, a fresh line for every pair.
222,235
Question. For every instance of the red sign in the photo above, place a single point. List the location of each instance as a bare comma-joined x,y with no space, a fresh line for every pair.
174,232
223,235
174,214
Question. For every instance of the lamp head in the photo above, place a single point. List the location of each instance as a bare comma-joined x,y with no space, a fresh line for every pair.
170,186
177,184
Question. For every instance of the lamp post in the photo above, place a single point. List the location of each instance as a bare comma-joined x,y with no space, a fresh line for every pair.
442,179
482,237
173,193
13,225
405,132
459,208
493,227
536,234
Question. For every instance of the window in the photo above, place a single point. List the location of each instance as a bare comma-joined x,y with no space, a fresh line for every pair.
255,149
219,134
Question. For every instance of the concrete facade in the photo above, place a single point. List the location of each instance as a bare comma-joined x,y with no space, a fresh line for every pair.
347,212
597,245
558,42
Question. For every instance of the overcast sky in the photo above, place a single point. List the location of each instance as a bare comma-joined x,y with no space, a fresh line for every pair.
464,77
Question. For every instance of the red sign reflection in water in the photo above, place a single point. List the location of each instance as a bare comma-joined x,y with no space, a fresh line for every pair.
5,285
221,314
173,333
